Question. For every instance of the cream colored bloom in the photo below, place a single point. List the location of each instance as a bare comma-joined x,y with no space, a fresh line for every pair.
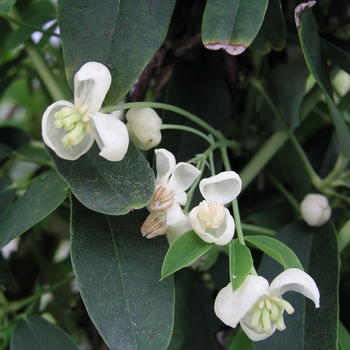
258,306
144,127
70,129
315,209
210,219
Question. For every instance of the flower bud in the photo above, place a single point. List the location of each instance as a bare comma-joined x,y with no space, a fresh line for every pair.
315,209
144,127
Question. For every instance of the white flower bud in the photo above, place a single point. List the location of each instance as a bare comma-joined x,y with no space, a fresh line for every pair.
144,127
315,209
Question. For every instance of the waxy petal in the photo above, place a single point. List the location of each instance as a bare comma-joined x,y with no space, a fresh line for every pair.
255,336
223,187
52,136
111,136
182,177
231,306
298,281
91,84
165,163
219,236
175,216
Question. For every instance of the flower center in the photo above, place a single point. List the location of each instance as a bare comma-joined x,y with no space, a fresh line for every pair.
269,312
75,122
162,199
211,214
154,225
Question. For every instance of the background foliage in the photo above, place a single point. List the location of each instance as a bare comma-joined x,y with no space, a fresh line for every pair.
75,272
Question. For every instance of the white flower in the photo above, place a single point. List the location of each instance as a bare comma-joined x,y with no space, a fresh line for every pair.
172,181
70,129
259,307
144,127
315,209
210,219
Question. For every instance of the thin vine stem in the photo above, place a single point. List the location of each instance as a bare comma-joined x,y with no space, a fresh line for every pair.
167,107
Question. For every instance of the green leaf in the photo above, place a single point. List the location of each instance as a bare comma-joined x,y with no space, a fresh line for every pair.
241,342
314,57
45,194
273,33
6,6
184,250
112,188
344,337
241,262
118,274
125,40
232,25
277,250
316,328
33,332
36,14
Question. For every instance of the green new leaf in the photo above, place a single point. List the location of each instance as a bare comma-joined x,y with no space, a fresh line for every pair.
112,188
125,40
33,332
276,250
314,57
241,263
118,274
232,25
184,250
44,195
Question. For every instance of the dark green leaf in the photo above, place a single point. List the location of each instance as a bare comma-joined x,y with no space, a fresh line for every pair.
112,188
125,40
273,34
316,328
232,25
337,55
241,263
33,332
118,273
6,6
185,250
45,194
314,56
277,250
7,194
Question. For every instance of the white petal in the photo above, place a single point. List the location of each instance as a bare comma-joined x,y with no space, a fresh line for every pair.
298,281
254,336
52,136
219,236
176,216
111,136
230,307
223,187
174,232
182,177
91,84
165,163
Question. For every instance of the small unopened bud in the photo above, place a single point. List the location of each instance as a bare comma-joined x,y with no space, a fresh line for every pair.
144,127
315,209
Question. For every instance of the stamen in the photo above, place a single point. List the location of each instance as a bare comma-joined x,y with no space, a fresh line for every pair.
266,320
73,118
162,199
154,225
212,214
78,129
256,317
